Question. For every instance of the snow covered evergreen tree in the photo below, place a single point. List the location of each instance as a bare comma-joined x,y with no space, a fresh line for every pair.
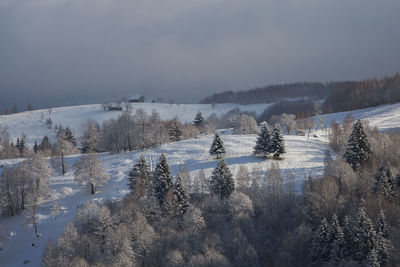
217,147
175,130
358,151
89,171
222,183
198,119
139,178
321,244
162,180
69,136
348,231
383,245
372,259
263,143
365,235
338,242
181,195
277,144
384,181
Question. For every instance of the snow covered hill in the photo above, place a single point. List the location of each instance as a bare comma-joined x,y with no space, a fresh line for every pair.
32,123
304,157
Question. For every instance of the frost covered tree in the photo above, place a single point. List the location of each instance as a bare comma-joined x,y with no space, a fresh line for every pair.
65,145
222,183
181,195
89,171
364,234
288,121
139,178
243,178
198,119
383,246
358,151
175,130
321,243
277,144
91,137
263,143
39,171
217,147
338,242
162,179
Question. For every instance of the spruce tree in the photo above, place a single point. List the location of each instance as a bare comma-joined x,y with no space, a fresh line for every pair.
372,259
217,147
338,241
69,136
348,231
262,147
175,130
365,235
139,178
222,183
162,180
321,244
198,119
277,144
358,151
181,195
383,245
45,144
35,147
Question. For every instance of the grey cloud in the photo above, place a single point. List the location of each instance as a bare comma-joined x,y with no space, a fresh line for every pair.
58,51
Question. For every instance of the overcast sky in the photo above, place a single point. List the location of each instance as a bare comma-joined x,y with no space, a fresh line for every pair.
55,52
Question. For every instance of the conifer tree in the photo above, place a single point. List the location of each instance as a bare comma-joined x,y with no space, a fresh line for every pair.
358,151
175,130
198,119
69,136
162,182
45,144
321,244
365,235
139,178
277,144
338,242
348,232
222,183
217,147
263,143
181,195
372,259
35,147
383,245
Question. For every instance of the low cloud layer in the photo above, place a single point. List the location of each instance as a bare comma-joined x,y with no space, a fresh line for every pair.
75,51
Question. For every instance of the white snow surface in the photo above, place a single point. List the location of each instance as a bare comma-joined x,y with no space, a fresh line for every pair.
304,157
32,123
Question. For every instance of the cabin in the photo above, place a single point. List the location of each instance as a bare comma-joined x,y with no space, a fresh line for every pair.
136,99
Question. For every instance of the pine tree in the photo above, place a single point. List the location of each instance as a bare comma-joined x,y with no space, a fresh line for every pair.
338,242
277,144
217,147
384,182
321,244
45,144
35,147
372,259
348,231
69,136
139,178
222,183
162,179
263,143
181,195
383,245
358,151
175,130
365,235
198,119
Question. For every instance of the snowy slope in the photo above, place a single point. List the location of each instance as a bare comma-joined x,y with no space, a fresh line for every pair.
385,117
32,122
304,157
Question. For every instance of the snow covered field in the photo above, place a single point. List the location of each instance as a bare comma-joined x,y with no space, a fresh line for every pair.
304,157
32,123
